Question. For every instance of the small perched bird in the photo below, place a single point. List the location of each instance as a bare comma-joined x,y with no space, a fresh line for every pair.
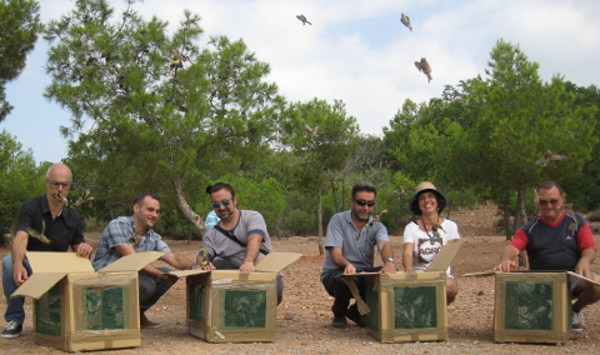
549,156
63,199
424,67
400,191
405,21
310,130
303,19
176,62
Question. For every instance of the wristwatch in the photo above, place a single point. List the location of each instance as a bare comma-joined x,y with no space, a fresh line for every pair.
388,259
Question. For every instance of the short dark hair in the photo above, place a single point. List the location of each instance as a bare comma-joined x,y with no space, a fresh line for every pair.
547,185
220,186
363,186
138,200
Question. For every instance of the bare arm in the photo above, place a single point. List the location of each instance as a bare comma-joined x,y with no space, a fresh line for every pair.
583,267
385,249
252,251
126,249
507,260
407,257
341,261
19,247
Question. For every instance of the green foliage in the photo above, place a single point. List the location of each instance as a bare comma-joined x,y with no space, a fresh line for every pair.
20,24
20,180
300,223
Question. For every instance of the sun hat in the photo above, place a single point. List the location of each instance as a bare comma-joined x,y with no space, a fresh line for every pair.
424,186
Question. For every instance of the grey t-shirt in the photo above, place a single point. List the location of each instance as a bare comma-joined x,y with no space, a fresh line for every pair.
358,248
250,222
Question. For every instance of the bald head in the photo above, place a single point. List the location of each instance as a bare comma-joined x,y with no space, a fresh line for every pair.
58,179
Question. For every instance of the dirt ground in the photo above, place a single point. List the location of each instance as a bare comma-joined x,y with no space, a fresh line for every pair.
470,317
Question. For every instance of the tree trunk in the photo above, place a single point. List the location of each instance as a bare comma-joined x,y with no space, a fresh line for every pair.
189,214
334,190
520,220
506,216
320,218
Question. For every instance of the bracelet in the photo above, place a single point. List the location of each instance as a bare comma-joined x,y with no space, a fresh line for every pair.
388,259
249,261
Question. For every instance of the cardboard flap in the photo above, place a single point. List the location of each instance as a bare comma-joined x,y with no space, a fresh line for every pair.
38,284
583,278
442,261
181,273
56,262
480,274
133,262
275,262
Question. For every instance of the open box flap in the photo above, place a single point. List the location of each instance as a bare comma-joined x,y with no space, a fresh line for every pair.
276,261
57,262
38,284
132,262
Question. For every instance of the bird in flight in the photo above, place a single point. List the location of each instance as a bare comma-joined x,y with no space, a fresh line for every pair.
424,67
549,156
310,130
303,19
405,21
400,191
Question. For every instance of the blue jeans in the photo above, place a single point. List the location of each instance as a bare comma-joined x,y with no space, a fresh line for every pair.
14,306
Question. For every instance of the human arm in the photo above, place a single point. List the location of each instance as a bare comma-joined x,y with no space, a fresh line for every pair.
19,247
407,257
177,261
339,260
252,251
583,267
385,249
126,249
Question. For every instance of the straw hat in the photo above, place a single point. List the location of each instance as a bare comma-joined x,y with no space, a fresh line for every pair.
423,187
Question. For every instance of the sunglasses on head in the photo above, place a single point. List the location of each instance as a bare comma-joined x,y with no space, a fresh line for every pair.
56,183
217,204
545,202
363,203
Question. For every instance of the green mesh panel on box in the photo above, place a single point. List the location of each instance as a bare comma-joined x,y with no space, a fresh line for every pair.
47,313
528,306
105,308
196,297
372,299
244,309
415,307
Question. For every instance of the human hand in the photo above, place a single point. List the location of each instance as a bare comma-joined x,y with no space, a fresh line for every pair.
350,269
388,268
506,266
583,268
20,274
84,250
210,266
170,278
247,266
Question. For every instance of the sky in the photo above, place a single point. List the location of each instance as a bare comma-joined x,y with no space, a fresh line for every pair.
355,51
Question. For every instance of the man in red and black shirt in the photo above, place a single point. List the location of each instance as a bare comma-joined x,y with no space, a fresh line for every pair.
557,240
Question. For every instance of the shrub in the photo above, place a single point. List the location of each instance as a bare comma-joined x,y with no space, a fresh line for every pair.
593,216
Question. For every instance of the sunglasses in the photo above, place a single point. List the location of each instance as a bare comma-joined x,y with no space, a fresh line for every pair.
364,203
218,204
56,183
545,202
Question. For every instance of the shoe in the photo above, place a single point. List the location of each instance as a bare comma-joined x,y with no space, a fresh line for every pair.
354,315
12,330
146,323
577,325
339,321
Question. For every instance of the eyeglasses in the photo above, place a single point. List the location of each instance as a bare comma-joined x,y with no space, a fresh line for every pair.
364,203
545,202
64,184
217,204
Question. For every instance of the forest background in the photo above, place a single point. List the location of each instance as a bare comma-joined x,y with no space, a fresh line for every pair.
172,112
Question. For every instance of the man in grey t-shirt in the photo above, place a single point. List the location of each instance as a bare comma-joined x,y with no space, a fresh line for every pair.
239,239
351,237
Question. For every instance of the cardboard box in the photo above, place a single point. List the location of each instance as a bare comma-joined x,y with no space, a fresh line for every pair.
225,306
78,309
532,307
405,307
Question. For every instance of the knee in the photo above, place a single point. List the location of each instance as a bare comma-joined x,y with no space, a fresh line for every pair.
147,288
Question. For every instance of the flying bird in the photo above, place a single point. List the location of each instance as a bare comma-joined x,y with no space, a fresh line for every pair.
35,234
310,130
377,218
424,67
405,21
549,156
62,198
303,19
83,198
400,191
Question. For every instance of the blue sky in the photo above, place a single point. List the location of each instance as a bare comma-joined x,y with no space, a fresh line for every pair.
355,51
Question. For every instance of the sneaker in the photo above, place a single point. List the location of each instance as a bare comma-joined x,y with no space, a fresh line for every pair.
12,330
354,315
577,325
146,323
339,321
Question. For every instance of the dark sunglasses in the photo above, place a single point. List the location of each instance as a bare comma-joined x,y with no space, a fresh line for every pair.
56,183
218,204
363,203
545,202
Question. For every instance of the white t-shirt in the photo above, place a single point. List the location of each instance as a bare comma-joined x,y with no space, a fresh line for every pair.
427,246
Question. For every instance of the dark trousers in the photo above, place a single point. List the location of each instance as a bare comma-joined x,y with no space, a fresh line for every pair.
152,289
222,264
337,288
